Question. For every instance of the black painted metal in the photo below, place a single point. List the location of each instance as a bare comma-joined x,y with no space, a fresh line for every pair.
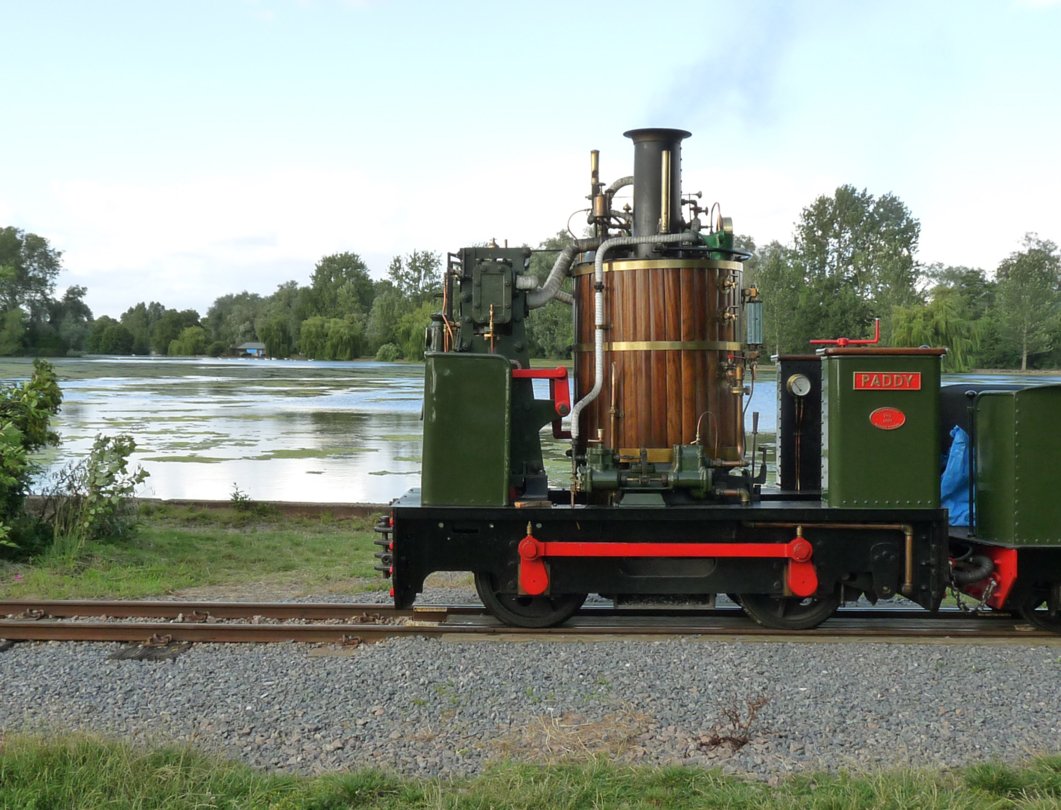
649,146
799,429
429,539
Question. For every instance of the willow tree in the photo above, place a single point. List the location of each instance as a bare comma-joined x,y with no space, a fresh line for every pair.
940,322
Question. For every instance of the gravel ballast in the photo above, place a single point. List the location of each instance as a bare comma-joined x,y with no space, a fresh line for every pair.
430,707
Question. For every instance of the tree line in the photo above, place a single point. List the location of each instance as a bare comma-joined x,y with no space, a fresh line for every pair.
342,314
853,257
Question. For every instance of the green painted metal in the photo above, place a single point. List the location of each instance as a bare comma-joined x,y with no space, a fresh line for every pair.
481,281
467,424
866,460
470,461
1018,465
721,241
686,471
492,293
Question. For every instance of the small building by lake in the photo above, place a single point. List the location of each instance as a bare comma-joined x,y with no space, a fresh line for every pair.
251,349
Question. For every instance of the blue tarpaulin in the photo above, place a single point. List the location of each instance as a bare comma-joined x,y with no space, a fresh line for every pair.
954,486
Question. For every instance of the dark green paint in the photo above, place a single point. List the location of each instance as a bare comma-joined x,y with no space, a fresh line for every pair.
467,404
864,466
1018,467
481,427
478,279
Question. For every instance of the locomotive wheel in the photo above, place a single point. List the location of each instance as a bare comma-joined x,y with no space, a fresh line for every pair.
1037,611
526,611
789,612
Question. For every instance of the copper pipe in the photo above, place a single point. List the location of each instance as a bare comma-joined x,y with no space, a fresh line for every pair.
738,392
614,412
908,568
906,528
734,493
902,527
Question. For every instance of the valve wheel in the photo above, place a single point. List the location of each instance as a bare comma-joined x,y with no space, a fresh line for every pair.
526,611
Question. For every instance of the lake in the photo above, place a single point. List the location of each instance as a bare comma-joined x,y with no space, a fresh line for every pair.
279,430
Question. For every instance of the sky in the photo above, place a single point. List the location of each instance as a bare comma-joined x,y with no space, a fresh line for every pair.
181,151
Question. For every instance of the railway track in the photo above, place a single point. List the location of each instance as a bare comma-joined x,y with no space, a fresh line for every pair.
246,622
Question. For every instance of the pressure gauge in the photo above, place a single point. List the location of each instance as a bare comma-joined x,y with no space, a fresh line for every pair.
798,385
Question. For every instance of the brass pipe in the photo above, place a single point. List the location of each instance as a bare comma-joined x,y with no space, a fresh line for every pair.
722,464
614,413
664,208
738,393
901,527
733,493
908,568
491,335
906,528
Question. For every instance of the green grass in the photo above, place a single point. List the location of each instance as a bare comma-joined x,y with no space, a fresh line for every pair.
79,772
177,548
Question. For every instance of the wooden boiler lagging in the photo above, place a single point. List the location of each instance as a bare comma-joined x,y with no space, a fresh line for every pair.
666,341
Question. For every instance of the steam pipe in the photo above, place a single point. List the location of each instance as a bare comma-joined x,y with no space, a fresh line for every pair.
541,297
622,182
598,311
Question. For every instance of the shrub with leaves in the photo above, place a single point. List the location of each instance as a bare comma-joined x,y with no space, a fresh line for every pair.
388,353
93,498
239,499
26,410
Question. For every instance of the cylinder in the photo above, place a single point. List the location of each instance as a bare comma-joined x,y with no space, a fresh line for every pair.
666,351
653,149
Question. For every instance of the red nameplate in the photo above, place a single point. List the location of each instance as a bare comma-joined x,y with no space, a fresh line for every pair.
887,380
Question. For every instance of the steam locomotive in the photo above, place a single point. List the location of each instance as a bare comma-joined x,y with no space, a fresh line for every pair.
668,496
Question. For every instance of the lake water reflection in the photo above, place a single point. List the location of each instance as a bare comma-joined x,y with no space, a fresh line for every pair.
278,430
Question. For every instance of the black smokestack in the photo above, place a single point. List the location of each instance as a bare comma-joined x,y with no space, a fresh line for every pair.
649,148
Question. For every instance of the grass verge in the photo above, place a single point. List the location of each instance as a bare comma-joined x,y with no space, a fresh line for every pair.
78,771
247,550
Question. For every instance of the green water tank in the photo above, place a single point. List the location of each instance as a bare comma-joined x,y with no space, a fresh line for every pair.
467,419
880,428
1018,459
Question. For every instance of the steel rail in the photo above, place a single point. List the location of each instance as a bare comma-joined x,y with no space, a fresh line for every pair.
323,611
193,611
161,633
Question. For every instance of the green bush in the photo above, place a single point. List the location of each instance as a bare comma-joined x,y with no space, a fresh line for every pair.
26,410
93,498
388,353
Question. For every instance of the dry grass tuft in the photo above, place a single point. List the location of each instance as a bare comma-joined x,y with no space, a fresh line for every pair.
568,736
